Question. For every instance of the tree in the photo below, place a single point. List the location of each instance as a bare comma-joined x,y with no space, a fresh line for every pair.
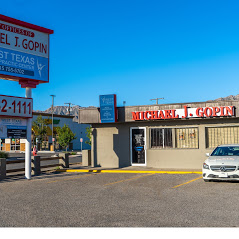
65,136
88,135
40,128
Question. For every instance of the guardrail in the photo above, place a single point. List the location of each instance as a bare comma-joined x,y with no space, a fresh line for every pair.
14,170
36,164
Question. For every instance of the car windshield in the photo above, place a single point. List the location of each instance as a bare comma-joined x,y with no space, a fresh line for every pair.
226,151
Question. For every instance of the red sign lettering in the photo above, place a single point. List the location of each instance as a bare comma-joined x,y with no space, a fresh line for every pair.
186,112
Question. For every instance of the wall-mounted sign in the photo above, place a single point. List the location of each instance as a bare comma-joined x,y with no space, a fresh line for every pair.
15,106
49,121
24,50
13,121
205,112
108,108
16,131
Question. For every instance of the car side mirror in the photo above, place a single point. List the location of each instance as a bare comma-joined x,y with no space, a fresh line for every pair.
207,154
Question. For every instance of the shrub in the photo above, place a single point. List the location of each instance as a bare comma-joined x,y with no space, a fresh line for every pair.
65,136
88,135
3,154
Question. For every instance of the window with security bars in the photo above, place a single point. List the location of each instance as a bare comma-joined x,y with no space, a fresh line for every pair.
161,138
222,135
186,138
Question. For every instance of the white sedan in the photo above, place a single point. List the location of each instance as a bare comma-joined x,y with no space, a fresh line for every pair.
222,164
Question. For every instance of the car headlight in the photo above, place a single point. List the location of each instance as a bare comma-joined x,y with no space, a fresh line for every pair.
205,166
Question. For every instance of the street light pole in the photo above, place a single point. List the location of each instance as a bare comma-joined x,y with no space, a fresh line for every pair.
52,120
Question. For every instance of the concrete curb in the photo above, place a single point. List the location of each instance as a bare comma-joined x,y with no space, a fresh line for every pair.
124,171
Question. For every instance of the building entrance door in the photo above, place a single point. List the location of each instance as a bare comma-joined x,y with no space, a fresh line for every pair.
138,146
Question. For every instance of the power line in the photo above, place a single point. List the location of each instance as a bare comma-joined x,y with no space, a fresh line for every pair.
157,100
69,107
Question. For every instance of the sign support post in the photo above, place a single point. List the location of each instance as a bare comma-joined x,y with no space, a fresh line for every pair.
28,167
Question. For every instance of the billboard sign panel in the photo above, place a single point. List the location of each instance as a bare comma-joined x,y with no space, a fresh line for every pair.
108,108
16,106
24,50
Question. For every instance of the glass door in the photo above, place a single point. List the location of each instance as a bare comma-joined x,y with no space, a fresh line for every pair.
138,146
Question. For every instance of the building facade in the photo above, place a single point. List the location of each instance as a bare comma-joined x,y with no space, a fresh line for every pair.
15,144
171,136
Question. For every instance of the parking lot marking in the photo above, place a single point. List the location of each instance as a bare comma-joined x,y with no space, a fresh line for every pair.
125,171
186,182
70,178
127,179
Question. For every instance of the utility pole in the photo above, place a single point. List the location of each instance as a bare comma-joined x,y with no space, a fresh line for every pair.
52,121
69,107
157,100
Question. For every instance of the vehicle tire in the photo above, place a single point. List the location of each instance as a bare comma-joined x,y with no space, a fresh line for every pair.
206,180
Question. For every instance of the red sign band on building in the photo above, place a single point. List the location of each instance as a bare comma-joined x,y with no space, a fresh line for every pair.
204,112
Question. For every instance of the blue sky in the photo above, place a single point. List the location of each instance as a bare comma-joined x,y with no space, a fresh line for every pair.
184,51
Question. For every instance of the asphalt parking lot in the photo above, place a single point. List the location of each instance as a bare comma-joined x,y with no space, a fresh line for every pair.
118,200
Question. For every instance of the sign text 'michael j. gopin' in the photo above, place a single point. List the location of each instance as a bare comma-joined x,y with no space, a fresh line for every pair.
186,112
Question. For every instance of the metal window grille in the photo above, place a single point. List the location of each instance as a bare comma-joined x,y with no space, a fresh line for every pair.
161,138
186,138
222,135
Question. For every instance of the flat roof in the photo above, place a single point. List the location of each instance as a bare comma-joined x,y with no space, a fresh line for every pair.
55,115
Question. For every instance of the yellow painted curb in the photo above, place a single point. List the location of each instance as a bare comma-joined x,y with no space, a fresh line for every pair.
123,171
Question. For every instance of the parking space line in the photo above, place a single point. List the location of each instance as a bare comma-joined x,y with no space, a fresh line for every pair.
125,171
127,179
71,178
186,182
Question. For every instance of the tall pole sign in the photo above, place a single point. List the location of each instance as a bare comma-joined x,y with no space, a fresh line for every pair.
24,52
24,57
